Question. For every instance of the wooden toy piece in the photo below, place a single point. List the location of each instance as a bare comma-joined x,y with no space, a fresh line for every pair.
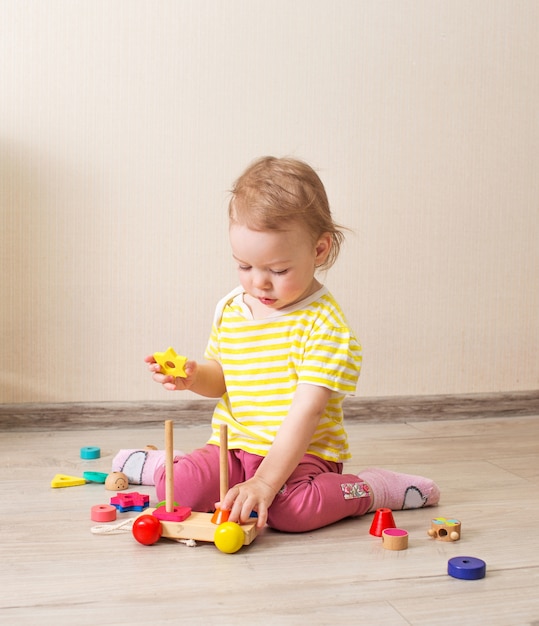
103,513
199,527
383,518
169,460
61,480
178,513
170,512
95,477
444,529
229,537
116,481
394,539
147,529
220,516
171,363
90,452
466,568
130,501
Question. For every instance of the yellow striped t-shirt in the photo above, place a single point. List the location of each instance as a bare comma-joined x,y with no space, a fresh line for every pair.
264,360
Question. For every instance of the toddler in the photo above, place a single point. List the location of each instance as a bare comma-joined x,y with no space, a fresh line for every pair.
280,359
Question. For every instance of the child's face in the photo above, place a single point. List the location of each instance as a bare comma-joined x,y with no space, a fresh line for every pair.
276,269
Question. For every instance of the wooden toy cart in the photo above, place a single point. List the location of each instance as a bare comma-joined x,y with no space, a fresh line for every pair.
180,523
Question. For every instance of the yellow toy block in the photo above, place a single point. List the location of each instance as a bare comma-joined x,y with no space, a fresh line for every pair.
61,480
171,363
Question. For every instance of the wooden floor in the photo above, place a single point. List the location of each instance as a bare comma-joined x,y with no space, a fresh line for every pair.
55,571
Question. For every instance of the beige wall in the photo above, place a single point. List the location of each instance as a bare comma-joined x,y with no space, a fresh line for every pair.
123,123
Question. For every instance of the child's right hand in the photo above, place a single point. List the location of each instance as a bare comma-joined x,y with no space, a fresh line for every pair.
171,383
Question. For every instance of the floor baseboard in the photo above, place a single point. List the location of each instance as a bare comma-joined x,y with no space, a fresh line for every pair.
94,415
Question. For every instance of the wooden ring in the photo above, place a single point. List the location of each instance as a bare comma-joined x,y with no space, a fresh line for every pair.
103,513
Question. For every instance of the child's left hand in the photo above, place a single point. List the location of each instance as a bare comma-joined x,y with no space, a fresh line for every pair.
244,498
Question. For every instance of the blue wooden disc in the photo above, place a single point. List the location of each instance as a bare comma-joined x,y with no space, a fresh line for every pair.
466,568
90,452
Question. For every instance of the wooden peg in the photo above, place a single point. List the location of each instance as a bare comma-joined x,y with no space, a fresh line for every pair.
169,466
223,461
170,512
221,516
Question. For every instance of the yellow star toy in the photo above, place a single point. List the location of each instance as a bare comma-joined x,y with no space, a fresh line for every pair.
171,363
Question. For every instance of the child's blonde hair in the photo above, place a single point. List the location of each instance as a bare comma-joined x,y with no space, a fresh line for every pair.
273,192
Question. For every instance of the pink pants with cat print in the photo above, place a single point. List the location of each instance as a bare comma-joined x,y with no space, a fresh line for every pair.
316,494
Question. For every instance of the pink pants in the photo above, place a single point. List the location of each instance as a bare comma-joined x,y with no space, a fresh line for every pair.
315,495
